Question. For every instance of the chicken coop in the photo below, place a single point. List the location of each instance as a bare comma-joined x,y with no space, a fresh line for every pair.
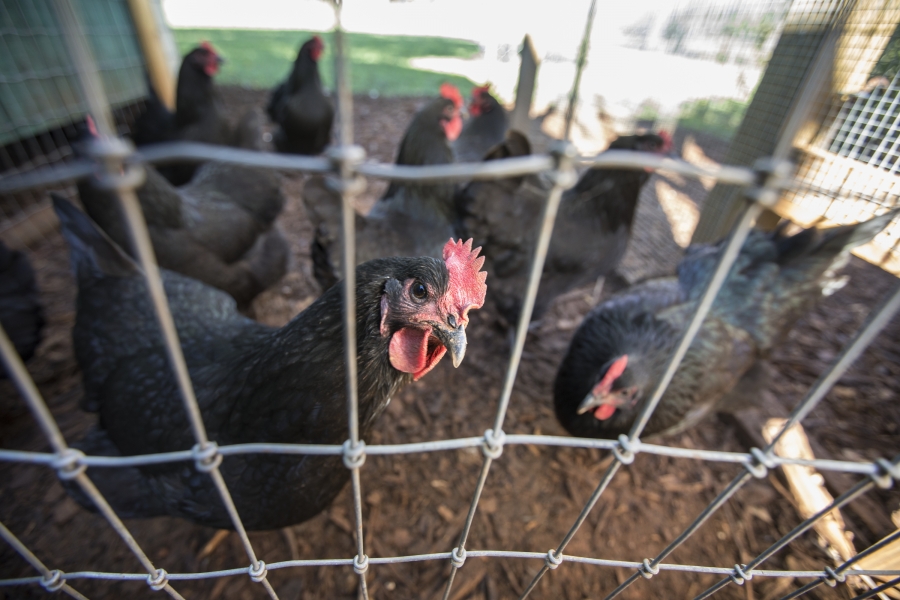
41,90
468,485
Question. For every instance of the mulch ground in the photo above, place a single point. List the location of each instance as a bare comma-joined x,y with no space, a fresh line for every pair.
416,504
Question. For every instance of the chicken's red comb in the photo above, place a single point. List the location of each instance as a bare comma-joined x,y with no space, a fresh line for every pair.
467,280
478,91
451,92
91,126
667,140
614,372
207,46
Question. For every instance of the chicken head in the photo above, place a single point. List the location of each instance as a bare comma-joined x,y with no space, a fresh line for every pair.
206,59
426,315
451,120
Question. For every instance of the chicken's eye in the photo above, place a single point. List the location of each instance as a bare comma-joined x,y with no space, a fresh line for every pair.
418,291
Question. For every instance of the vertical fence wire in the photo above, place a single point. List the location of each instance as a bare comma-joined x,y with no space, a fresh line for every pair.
579,69
67,465
875,323
563,178
775,171
877,320
745,572
625,454
881,588
50,580
345,157
124,181
839,573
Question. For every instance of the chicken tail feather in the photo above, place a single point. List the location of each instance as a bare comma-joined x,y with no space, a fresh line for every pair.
93,254
850,236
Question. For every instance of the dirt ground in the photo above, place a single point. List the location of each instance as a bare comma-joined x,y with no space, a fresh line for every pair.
415,504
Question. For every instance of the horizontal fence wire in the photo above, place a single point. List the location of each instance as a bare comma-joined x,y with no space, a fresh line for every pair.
508,167
392,560
838,574
345,165
743,458
50,580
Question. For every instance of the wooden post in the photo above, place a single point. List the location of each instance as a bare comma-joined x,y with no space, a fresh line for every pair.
864,34
521,114
147,28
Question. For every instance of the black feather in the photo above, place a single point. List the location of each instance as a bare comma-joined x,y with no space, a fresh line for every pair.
253,384
773,282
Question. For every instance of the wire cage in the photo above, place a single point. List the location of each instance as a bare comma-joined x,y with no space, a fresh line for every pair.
762,188
41,94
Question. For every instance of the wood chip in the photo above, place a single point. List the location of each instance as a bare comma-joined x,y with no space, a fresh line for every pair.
213,543
341,521
808,487
445,513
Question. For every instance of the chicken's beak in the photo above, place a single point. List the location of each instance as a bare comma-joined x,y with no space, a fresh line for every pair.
595,399
590,402
454,340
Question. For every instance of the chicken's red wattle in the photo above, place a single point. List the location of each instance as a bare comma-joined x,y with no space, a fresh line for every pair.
453,127
415,351
604,411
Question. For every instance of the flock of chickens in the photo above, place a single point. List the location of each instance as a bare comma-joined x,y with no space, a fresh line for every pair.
213,229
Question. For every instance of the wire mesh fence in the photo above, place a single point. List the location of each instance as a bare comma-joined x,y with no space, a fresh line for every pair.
763,184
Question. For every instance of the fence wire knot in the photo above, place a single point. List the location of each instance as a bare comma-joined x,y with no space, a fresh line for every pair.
53,580
762,458
68,463
354,456
361,564
887,473
772,176
344,158
207,458
158,580
553,560
493,444
647,570
564,175
258,572
760,465
131,177
833,577
624,451
458,557
740,576
353,186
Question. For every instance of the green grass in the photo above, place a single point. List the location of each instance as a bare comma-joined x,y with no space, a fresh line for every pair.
719,117
262,58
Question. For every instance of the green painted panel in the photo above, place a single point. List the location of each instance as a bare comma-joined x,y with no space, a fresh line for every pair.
39,89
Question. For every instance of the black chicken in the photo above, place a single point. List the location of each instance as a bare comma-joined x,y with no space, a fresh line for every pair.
620,351
219,228
156,124
485,129
21,313
302,110
590,236
253,383
199,114
427,141
410,219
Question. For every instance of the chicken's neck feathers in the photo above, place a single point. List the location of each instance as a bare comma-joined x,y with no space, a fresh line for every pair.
304,76
195,98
